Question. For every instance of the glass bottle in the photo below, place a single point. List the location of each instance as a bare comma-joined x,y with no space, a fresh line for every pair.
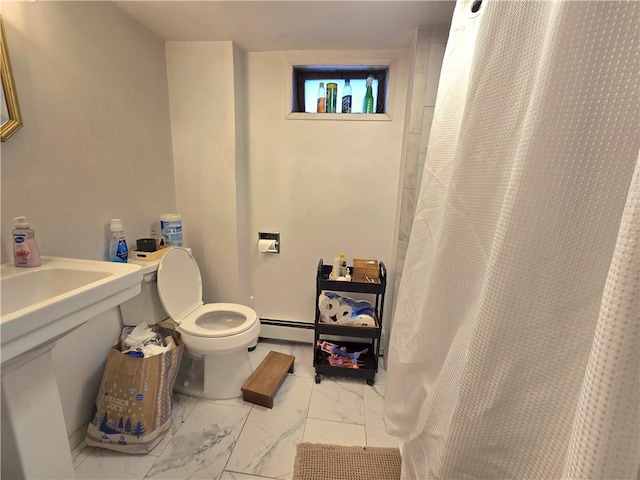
346,97
368,106
321,99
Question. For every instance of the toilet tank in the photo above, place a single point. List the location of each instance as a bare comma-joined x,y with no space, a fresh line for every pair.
146,306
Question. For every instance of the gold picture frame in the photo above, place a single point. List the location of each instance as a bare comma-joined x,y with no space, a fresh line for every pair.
10,118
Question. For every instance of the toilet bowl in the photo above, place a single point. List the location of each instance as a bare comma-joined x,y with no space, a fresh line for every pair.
216,335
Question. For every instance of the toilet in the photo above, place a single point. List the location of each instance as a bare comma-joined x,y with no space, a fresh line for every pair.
216,335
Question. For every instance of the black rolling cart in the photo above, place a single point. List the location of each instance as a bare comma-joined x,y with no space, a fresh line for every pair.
364,337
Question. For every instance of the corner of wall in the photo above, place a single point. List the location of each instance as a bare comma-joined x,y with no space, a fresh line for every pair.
243,190
427,50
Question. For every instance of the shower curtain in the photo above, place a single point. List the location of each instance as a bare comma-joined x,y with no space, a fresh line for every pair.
514,349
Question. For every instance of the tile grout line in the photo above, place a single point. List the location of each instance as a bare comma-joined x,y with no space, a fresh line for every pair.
176,433
235,443
306,417
338,421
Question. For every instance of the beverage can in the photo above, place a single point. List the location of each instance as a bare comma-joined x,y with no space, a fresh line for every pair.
332,97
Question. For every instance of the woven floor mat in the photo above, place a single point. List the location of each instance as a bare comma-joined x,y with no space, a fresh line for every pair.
315,461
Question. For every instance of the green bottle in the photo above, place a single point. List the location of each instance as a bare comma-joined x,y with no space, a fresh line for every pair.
368,106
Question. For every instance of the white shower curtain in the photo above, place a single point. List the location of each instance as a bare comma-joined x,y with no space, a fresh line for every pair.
514,350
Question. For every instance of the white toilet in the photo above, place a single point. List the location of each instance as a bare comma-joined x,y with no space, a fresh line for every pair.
216,335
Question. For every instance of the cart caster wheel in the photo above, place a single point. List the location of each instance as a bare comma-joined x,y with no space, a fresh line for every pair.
370,382
318,378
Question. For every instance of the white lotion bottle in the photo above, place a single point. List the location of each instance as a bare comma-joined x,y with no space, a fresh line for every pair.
25,248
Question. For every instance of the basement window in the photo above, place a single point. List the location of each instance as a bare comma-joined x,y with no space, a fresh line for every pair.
307,78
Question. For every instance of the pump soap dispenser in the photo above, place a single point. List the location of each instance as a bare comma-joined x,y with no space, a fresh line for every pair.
25,248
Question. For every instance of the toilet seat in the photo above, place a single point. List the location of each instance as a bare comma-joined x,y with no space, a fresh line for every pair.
223,320
180,292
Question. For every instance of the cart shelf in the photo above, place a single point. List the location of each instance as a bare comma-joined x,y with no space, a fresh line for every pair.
363,337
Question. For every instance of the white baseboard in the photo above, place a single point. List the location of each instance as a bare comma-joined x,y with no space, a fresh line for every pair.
295,332
77,437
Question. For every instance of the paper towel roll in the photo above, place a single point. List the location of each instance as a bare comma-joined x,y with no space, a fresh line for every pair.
266,246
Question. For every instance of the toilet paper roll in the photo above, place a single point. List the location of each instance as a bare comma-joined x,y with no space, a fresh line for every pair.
266,246
344,313
331,308
366,320
322,302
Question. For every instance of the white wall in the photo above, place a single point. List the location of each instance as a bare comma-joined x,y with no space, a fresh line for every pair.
96,143
96,140
203,119
327,186
246,238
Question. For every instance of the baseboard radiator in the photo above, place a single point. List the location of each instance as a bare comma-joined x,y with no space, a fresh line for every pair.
286,330
292,331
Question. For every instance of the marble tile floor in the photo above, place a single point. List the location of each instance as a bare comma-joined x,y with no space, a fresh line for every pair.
232,439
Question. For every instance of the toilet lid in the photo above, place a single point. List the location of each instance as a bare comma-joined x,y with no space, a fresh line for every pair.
179,283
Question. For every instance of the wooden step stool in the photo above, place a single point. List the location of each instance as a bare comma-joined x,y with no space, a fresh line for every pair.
264,382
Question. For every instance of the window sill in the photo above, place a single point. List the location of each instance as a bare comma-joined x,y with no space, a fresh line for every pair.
358,117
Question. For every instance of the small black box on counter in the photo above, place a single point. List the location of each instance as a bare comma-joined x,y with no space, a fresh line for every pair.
146,245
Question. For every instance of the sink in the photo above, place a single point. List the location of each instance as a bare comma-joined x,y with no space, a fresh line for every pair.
40,304
24,289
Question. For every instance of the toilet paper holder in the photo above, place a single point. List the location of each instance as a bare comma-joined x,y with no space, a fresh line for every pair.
272,239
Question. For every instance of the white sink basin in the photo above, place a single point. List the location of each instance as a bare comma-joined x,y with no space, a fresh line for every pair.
41,304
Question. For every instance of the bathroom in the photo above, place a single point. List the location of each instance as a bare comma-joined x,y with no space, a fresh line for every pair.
119,124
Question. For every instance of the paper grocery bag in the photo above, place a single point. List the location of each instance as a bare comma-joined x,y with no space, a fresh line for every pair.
132,412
